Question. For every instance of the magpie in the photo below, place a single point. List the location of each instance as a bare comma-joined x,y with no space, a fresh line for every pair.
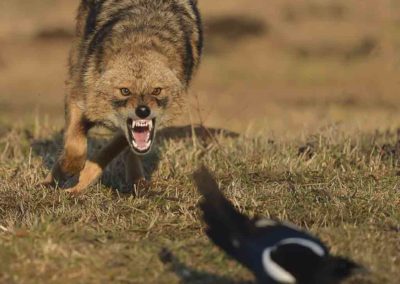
274,251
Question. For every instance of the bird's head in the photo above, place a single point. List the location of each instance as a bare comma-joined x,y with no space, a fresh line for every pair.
336,269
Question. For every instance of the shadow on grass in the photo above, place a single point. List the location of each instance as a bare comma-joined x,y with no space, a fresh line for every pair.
364,47
324,11
189,275
2,62
114,175
223,32
55,33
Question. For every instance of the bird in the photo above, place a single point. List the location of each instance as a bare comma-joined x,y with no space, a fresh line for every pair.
276,252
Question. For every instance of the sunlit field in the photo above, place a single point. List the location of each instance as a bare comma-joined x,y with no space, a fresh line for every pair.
295,108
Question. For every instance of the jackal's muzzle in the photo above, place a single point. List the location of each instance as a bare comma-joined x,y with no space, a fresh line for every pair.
141,130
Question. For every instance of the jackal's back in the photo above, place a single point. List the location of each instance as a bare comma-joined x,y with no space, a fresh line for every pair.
172,27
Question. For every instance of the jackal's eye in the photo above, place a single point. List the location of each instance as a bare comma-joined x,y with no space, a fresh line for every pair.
156,92
125,92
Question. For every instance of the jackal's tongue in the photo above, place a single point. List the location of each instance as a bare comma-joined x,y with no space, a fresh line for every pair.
141,138
141,132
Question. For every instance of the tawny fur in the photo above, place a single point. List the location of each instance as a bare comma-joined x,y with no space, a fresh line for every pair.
136,44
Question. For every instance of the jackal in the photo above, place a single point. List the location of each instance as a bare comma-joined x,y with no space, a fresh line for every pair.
130,64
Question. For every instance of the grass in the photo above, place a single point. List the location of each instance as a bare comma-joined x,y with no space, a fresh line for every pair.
318,81
343,188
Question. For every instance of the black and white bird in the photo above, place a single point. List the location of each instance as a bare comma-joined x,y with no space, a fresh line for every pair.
274,251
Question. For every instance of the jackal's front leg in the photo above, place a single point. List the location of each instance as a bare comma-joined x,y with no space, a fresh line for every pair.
134,173
94,168
73,157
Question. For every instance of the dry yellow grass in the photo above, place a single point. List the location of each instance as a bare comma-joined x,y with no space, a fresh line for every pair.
343,188
319,74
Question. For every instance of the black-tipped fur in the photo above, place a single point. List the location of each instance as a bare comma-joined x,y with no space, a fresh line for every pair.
139,45
175,23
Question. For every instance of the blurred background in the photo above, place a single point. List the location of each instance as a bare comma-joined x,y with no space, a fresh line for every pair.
282,67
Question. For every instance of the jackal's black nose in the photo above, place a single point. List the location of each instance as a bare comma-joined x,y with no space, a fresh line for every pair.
143,112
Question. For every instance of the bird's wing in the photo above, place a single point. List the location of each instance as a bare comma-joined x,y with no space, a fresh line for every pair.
245,239
226,227
297,260
284,232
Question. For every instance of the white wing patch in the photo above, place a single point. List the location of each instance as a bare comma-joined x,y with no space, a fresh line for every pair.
264,223
261,223
277,272
274,270
316,248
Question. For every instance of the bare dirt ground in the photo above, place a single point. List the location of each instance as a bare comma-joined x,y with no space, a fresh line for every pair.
312,88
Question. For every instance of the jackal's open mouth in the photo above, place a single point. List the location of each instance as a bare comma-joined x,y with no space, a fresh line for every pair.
141,134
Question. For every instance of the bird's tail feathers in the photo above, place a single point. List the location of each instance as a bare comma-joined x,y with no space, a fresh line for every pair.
216,207
226,225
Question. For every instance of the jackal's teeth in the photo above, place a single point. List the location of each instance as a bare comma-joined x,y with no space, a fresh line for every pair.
142,148
142,123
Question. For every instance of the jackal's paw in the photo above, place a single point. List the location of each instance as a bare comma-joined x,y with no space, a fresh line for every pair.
137,187
69,167
51,181
57,177
75,191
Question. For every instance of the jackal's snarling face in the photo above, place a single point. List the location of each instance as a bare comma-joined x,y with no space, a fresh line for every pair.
137,93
